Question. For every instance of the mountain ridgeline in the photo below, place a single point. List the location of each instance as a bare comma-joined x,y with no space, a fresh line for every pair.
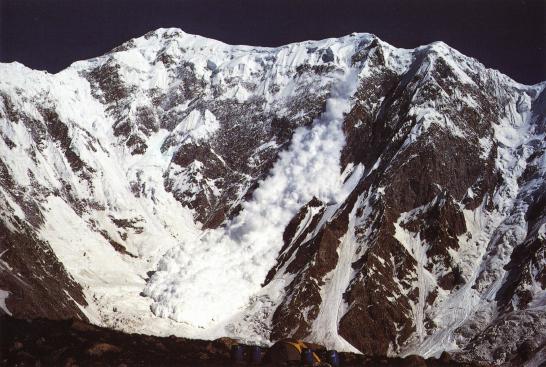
343,191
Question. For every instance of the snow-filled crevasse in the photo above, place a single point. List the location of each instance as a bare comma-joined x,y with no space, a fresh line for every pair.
205,282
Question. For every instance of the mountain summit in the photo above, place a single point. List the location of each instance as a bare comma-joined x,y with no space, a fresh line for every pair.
343,191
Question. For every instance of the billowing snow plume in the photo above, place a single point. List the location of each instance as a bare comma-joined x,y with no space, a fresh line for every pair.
153,157
206,282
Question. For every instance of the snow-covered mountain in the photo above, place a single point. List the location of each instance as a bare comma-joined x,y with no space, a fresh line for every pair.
343,191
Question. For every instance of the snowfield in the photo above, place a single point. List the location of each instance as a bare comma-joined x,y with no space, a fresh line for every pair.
200,189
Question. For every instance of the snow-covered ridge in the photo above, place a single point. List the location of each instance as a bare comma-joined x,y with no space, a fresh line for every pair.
160,222
164,176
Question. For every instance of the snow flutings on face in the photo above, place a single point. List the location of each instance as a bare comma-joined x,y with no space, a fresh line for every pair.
207,282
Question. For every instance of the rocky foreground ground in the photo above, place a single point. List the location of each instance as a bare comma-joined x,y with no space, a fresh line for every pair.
74,343
371,198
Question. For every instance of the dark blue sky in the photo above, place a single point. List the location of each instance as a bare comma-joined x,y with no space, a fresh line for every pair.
508,35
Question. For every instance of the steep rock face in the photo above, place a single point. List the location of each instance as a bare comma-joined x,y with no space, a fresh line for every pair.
436,199
343,191
208,95
36,283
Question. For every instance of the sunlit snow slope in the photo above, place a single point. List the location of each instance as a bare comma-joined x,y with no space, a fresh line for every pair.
343,191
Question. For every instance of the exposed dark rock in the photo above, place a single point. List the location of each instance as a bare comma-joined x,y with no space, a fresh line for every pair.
110,87
37,282
432,130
